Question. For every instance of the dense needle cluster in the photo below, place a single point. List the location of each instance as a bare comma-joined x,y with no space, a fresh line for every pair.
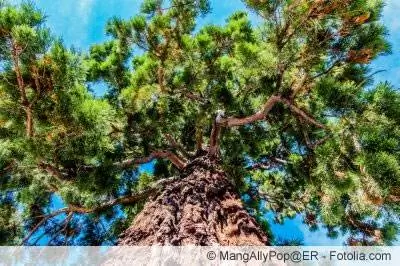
300,129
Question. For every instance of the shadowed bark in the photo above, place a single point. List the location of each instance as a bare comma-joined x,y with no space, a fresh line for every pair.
200,208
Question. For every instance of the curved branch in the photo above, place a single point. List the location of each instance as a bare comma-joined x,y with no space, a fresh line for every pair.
234,122
46,218
260,115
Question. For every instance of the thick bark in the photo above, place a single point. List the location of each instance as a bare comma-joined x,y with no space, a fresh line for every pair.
200,208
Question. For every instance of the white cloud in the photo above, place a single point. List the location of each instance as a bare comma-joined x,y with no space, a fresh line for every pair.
85,10
85,5
390,15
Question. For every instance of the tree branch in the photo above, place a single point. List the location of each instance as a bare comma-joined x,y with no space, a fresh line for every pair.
260,115
302,114
46,218
131,199
16,51
63,177
178,146
214,138
54,171
175,160
315,144
270,163
329,69
8,168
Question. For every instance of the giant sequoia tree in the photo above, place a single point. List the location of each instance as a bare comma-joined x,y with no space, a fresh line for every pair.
236,120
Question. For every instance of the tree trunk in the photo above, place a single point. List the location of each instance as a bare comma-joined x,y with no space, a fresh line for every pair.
200,208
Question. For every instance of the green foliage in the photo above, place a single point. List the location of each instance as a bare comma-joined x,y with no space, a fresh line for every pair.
167,82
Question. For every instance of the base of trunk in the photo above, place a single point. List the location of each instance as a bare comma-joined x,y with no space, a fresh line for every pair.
201,208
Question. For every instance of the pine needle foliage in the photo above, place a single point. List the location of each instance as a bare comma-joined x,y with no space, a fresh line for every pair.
327,146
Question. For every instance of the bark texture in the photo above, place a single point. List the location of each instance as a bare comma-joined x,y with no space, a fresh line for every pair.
200,208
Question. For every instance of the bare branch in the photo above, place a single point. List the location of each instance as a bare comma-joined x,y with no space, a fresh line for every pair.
46,218
302,114
260,115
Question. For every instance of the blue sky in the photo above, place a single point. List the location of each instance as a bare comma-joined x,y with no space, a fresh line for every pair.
390,63
81,23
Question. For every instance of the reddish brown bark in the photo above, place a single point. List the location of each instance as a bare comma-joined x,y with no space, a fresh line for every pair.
200,208
29,121
15,52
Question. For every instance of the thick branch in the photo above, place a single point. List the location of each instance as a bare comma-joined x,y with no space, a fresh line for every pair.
260,115
214,138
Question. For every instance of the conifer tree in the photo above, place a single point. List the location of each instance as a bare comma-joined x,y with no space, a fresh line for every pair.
237,120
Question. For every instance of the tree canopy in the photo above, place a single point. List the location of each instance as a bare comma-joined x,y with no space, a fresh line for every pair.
287,105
